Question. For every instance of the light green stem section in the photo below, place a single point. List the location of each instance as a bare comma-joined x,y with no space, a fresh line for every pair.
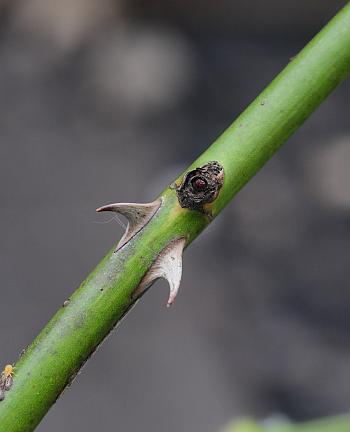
73,334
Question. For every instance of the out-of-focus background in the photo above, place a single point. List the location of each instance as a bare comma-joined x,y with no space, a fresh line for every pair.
106,100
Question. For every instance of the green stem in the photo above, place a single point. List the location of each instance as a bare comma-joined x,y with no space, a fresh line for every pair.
73,334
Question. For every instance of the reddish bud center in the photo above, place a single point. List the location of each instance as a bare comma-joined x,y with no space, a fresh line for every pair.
199,184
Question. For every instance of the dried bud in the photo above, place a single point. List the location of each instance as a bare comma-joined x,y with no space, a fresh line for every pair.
200,186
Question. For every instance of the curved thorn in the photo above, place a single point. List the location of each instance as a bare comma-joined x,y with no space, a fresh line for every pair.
138,215
168,265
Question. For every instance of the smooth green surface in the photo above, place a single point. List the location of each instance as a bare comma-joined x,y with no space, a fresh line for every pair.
282,107
76,330
331,424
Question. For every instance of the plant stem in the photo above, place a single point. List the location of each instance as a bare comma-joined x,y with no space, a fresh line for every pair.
57,354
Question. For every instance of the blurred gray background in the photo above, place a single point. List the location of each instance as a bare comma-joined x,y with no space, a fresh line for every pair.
106,100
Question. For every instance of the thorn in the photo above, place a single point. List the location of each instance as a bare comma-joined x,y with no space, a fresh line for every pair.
168,265
138,215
